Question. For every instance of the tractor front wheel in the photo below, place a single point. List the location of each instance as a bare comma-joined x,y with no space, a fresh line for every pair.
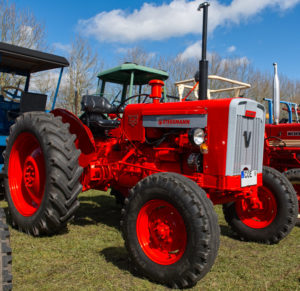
170,229
274,220
293,176
42,173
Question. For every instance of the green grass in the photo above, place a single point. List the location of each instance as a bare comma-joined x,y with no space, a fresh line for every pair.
90,255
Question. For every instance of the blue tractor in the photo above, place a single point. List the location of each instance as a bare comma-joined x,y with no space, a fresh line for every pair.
18,63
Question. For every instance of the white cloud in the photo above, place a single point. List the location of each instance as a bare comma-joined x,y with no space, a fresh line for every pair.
231,49
26,34
150,22
26,30
192,51
177,18
122,50
235,61
62,47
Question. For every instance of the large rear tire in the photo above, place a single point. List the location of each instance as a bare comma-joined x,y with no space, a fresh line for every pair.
42,173
277,217
293,176
6,261
170,229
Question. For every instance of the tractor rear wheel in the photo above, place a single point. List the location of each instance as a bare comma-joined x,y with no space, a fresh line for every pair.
293,176
42,173
170,229
6,261
276,218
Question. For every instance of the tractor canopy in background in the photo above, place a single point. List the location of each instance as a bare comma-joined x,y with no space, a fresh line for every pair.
128,75
100,111
16,98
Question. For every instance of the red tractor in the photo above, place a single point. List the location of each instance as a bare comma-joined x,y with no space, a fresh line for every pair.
170,162
282,137
282,140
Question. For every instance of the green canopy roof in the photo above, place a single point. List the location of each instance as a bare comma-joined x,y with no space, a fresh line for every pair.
142,75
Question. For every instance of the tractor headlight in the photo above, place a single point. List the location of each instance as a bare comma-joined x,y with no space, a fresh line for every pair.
196,136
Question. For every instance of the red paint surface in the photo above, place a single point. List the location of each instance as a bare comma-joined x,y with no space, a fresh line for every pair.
27,174
161,232
129,153
258,216
283,157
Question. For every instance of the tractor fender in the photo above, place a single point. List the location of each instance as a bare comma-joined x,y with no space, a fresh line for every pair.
84,137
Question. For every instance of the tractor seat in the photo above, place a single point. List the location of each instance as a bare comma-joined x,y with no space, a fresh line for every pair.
98,122
97,104
29,102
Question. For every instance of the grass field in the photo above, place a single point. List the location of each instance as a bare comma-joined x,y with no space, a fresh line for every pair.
90,255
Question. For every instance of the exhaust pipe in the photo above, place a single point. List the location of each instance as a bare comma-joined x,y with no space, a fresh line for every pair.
203,64
276,95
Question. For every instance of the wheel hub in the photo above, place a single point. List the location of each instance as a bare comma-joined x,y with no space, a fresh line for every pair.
161,235
30,172
161,232
26,170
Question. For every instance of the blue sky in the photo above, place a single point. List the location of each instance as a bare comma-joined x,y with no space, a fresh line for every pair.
263,31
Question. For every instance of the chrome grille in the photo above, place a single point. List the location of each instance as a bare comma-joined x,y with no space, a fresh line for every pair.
247,155
245,137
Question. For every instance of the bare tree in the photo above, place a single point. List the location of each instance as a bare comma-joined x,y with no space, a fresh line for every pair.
81,75
19,27
236,68
138,56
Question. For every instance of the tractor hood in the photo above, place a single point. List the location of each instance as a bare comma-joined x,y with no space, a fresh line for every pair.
191,114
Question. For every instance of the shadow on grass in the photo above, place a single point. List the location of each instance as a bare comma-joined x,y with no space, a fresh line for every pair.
9,221
98,209
227,231
118,256
93,209
8,217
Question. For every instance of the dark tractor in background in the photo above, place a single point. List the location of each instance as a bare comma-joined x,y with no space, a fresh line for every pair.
16,66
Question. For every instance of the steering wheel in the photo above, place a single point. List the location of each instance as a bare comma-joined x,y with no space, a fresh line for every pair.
122,103
11,96
115,98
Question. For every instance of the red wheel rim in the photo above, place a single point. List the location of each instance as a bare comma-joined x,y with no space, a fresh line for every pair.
161,232
258,218
26,174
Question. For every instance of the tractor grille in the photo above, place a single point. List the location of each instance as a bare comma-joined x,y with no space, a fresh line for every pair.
247,155
245,137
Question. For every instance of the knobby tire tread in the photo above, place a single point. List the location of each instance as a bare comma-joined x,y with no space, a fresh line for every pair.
203,215
282,224
6,257
62,168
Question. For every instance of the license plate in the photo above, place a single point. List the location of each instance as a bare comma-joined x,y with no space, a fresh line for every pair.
248,178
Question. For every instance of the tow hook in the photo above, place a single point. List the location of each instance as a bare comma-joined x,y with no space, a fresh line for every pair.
253,200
